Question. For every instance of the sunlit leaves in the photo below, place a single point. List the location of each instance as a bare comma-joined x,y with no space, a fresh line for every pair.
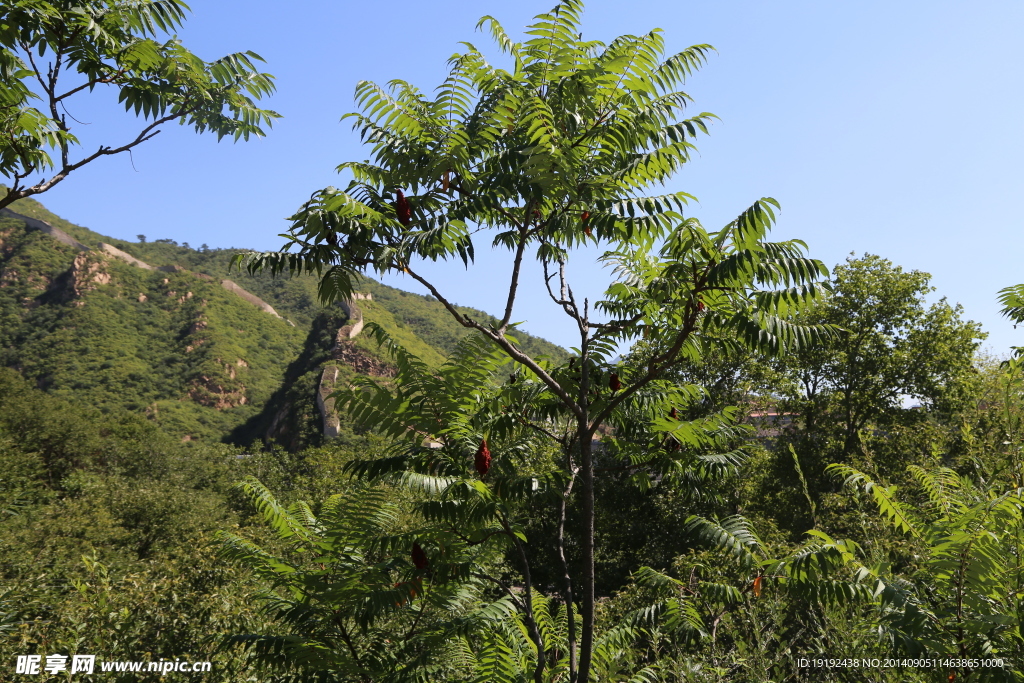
732,534
726,285
101,44
1012,300
576,126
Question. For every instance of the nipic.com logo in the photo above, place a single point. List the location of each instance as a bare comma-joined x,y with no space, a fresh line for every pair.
34,665
53,664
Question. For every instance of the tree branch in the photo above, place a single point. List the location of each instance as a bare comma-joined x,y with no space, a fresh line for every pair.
147,133
516,601
567,593
665,360
514,285
497,337
531,622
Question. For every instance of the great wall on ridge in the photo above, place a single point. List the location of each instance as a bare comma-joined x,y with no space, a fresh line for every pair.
329,376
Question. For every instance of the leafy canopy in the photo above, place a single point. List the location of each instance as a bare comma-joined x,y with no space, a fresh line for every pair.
547,155
51,51
547,152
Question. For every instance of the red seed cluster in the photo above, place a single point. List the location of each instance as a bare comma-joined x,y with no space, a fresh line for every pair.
613,382
402,209
419,558
674,414
483,458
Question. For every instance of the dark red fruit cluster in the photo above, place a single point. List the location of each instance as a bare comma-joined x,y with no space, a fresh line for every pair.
613,382
483,458
402,209
419,558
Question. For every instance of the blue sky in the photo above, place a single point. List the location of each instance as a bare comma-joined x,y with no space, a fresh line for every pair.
881,127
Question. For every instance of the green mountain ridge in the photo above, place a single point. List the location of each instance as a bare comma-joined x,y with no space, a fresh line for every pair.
180,342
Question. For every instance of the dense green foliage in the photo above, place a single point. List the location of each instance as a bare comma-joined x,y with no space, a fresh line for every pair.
554,154
105,528
197,359
90,326
53,51
786,464
108,520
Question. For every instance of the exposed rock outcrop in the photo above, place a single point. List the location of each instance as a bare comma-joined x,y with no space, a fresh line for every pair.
210,392
86,274
359,360
110,249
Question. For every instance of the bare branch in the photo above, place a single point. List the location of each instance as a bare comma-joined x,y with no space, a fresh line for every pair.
147,133
501,585
514,285
92,83
537,428
531,622
501,340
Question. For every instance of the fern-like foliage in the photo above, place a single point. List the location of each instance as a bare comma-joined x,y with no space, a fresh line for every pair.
732,534
351,600
1012,300
896,513
128,46
550,153
553,155
964,601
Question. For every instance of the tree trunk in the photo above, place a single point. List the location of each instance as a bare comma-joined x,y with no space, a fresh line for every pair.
567,594
587,597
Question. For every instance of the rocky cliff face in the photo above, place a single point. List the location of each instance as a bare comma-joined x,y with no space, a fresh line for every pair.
155,327
102,324
203,335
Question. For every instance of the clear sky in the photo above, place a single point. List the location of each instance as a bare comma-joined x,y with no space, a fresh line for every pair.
891,128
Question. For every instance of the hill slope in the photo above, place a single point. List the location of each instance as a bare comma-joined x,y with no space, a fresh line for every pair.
155,327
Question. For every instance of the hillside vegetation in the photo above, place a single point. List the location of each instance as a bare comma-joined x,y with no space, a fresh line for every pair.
132,401
173,344
795,472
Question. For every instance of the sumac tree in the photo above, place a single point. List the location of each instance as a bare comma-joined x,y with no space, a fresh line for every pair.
544,158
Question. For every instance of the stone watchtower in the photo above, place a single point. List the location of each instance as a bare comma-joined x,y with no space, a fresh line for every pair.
329,378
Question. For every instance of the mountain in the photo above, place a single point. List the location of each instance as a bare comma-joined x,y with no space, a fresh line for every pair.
208,354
